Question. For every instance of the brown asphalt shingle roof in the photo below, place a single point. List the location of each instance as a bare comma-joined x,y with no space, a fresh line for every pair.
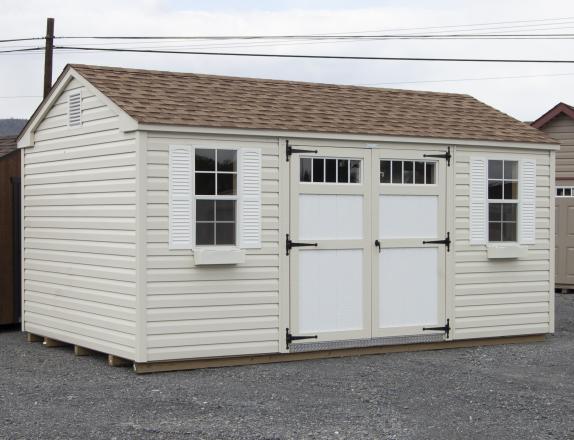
157,97
7,145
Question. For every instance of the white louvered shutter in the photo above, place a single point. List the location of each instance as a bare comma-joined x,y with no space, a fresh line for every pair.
75,109
250,198
180,197
478,201
527,204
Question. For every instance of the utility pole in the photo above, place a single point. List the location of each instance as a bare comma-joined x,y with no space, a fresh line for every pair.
48,55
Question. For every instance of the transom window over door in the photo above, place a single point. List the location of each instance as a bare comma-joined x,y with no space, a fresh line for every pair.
330,170
215,196
502,200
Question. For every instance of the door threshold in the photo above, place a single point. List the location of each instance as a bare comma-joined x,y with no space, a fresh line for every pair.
367,342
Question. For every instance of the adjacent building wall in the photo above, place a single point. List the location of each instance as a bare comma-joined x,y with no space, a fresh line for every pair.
503,297
561,128
209,311
79,229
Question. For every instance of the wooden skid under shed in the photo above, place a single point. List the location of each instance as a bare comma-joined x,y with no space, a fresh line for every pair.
157,367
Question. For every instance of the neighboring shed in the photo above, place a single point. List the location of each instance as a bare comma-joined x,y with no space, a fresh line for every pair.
558,122
10,274
180,217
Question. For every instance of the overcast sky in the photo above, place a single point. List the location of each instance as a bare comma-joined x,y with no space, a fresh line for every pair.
530,91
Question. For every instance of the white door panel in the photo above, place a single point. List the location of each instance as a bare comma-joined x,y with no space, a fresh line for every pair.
330,217
408,216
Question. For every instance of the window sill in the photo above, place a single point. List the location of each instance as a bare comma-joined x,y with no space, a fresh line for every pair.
505,251
219,255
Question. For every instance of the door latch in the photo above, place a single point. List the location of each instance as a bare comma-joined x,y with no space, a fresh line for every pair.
378,244
446,242
291,244
444,328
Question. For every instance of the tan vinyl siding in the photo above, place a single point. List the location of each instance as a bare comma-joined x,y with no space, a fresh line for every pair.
561,128
502,297
208,311
79,228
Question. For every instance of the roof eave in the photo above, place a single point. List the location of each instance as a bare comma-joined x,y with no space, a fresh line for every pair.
558,109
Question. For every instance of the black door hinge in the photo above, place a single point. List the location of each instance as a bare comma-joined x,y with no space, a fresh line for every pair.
290,150
290,244
289,338
446,156
445,328
446,242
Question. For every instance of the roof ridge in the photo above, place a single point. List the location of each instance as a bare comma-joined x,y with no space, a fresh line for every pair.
265,80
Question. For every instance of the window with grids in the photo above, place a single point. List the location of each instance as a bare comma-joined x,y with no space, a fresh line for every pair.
502,200
415,172
329,170
215,196
564,191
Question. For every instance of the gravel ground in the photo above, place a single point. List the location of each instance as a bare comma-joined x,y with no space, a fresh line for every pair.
501,392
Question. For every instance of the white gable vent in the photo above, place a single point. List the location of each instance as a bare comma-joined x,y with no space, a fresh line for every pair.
75,109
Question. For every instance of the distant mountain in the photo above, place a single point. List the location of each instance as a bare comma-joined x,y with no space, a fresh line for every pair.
11,127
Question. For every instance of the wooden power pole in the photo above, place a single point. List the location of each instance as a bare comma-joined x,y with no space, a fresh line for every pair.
48,55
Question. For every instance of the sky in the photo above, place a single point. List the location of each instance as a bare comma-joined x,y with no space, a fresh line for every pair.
524,91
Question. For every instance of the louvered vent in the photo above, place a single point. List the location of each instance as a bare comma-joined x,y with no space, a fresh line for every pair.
75,109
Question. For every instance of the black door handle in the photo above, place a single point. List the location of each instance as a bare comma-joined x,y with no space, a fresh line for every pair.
378,244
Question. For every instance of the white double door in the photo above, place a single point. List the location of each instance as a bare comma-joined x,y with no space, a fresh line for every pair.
359,264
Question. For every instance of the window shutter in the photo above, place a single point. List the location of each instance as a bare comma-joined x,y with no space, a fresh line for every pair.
527,207
75,109
250,198
180,197
478,201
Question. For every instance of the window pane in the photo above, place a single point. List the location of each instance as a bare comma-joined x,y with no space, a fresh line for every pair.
204,159
343,166
225,233
431,175
330,170
510,169
495,189
408,176
205,211
318,165
567,192
511,190
495,169
419,172
509,231
204,233
508,212
560,191
225,210
397,171
385,175
355,166
205,183
494,231
226,160
305,169
494,212
226,184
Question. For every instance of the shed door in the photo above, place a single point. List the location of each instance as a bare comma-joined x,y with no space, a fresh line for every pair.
565,241
408,274
330,206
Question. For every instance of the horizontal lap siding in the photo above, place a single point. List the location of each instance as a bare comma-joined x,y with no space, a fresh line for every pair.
207,311
501,297
79,229
561,128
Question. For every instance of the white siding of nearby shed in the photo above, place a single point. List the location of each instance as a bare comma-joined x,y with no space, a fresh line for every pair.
210,311
79,186
503,297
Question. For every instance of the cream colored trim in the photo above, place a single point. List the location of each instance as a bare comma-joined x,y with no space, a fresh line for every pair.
450,225
22,289
551,322
344,137
284,206
141,247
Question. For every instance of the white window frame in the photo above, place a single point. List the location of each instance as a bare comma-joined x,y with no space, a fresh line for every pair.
402,182
564,188
503,201
349,159
236,197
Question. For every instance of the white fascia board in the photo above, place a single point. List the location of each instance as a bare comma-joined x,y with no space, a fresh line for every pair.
343,137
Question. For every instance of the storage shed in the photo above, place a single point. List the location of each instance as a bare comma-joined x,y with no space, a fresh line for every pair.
209,219
558,122
10,274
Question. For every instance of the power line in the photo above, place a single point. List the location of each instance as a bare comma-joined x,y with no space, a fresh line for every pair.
332,57
12,40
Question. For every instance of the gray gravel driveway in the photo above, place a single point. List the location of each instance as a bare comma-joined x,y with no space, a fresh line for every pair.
501,392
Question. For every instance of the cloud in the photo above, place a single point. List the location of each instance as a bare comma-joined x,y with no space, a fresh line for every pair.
524,98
